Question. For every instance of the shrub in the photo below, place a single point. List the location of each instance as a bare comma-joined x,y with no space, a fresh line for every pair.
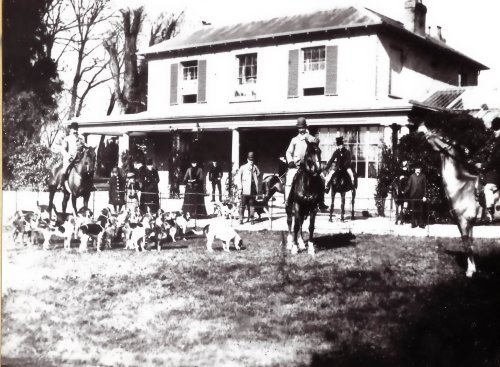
28,167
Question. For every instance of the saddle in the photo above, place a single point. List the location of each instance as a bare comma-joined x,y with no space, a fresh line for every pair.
341,181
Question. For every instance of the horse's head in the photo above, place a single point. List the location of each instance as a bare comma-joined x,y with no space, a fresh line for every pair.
435,140
86,164
312,159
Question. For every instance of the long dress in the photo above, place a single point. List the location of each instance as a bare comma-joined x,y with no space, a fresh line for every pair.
194,197
149,195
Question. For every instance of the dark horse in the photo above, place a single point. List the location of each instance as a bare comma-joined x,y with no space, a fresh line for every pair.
304,198
270,185
80,180
397,186
341,183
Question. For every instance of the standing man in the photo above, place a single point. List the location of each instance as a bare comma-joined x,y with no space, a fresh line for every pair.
248,184
215,176
416,191
71,146
294,156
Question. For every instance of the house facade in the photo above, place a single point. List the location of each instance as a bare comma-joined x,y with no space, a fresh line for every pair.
349,71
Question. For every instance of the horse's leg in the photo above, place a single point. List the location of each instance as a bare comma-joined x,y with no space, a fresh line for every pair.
52,193
312,221
397,210
332,206
289,238
353,193
65,201
73,204
300,239
342,206
296,228
465,227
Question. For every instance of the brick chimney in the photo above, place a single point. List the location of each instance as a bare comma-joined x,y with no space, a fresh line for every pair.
415,12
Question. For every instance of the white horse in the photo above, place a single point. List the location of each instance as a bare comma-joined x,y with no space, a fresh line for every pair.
461,189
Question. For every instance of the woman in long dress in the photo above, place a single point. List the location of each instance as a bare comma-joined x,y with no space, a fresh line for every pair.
194,196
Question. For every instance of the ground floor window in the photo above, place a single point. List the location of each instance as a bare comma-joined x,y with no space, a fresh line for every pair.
364,143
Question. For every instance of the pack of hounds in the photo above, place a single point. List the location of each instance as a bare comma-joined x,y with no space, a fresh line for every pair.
137,231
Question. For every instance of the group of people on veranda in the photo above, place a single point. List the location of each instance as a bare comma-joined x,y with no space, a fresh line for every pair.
142,181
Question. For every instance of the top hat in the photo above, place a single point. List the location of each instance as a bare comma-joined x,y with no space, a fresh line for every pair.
340,140
250,155
301,122
73,125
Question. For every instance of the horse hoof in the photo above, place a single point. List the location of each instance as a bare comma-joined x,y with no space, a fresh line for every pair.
310,248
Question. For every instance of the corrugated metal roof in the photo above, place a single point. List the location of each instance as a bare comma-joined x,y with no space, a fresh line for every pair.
443,98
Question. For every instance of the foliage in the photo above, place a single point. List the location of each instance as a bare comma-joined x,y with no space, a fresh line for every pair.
30,87
29,167
472,140
415,149
388,169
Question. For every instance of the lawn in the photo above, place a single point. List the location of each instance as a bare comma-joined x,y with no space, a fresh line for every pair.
361,301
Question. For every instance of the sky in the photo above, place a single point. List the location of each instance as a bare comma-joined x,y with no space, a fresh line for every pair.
470,26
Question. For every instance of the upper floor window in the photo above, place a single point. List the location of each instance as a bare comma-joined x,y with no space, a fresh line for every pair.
247,69
190,70
314,58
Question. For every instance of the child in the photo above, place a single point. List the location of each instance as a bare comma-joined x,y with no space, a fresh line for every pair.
132,192
116,190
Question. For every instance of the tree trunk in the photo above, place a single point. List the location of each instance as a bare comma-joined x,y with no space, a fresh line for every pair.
114,65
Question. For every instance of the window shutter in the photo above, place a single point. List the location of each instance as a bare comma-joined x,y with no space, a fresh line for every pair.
331,70
293,73
202,81
174,82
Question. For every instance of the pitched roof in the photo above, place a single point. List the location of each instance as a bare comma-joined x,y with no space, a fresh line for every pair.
340,18
321,20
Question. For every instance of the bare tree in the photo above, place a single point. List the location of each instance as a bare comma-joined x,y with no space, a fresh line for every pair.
75,30
130,95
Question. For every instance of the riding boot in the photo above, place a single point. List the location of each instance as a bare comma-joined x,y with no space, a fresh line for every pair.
322,206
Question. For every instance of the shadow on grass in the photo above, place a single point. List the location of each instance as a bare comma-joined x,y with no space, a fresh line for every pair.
335,241
456,324
487,265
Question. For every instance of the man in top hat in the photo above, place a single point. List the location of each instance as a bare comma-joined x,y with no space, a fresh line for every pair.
342,157
295,154
247,177
416,191
71,146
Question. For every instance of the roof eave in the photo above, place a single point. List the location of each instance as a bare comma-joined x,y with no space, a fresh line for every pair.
277,36
443,48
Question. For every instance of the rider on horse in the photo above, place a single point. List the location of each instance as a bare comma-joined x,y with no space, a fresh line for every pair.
71,146
342,157
295,154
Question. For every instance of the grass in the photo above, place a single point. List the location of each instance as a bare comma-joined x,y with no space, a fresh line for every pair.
365,301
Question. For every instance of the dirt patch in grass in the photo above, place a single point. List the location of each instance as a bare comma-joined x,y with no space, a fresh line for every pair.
361,301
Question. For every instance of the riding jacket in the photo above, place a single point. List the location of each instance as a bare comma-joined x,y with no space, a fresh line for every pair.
248,179
297,148
343,158
71,146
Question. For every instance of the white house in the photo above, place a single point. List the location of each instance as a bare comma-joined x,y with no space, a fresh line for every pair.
350,71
